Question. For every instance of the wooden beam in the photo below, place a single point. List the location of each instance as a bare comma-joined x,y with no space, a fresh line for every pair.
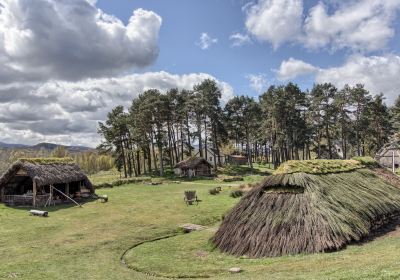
34,193
66,196
2,194
51,194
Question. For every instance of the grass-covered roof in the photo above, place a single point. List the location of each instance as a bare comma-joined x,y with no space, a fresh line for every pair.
322,166
308,207
51,160
47,171
192,163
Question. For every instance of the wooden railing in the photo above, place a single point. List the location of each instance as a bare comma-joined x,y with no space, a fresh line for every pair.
25,200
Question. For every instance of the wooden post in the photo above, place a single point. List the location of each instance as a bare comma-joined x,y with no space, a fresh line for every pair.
51,193
34,193
67,189
393,169
2,194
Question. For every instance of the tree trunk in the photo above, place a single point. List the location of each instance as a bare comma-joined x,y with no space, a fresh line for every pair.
249,158
139,171
182,150
123,157
153,151
328,138
205,140
199,137
188,136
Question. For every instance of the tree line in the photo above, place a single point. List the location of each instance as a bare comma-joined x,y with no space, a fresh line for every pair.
284,123
90,161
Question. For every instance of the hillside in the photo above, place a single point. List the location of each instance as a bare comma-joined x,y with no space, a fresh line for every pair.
43,145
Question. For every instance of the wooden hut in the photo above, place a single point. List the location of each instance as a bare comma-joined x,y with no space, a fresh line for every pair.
237,159
310,207
39,181
389,155
194,166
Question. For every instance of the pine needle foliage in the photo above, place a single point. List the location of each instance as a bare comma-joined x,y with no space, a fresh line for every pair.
319,211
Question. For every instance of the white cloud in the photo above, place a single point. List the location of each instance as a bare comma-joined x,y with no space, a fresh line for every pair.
72,110
257,82
239,39
359,25
293,68
205,41
275,21
64,65
379,74
71,40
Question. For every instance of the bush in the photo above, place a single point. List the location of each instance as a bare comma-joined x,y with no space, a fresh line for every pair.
237,193
103,185
214,191
121,182
367,161
229,178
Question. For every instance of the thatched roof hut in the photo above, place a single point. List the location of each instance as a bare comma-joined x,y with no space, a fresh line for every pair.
193,166
26,177
309,207
389,155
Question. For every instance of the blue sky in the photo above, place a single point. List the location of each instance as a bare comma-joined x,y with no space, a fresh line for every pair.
65,64
184,21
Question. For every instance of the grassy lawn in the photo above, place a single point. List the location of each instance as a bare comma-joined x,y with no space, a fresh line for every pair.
87,243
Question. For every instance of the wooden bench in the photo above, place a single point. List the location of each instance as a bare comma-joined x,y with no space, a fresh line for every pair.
190,198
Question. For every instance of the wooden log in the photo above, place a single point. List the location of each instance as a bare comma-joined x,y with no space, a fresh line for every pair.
39,213
103,198
66,196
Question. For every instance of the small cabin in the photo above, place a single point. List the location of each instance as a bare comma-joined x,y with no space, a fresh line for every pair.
194,166
389,155
41,182
237,159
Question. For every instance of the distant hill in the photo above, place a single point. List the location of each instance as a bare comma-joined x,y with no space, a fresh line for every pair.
7,145
46,146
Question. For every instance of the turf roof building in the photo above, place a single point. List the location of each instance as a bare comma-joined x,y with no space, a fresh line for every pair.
193,166
309,207
38,181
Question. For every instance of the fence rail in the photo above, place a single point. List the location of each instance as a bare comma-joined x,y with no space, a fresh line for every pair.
25,200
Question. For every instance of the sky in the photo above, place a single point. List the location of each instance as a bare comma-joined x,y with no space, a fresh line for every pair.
66,63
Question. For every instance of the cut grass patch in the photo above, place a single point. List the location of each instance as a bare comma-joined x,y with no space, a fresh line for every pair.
87,243
191,255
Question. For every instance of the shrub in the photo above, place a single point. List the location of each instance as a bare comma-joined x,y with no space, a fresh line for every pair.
229,178
121,182
103,185
237,193
367,161
214,191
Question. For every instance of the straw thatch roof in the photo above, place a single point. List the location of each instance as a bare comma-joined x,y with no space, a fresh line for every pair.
297,212
47,172
192,163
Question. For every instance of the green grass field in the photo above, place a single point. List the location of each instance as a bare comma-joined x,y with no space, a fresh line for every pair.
88,242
